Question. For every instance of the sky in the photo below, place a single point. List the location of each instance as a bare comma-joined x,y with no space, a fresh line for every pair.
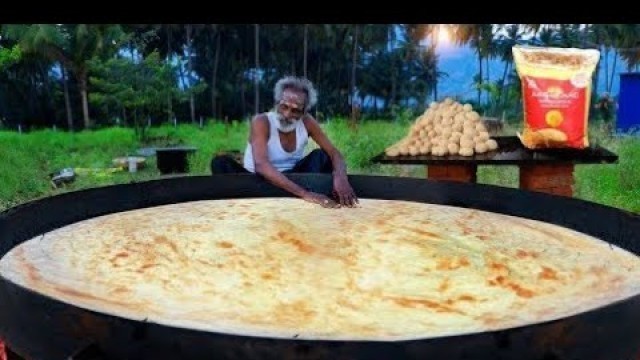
461,64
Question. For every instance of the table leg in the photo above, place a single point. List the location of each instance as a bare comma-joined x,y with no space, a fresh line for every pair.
462,173
554,179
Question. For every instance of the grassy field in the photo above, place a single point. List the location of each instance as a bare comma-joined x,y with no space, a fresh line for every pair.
28,159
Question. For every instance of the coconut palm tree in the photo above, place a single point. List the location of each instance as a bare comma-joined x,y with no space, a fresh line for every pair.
628,44
71,45
480,37
512,35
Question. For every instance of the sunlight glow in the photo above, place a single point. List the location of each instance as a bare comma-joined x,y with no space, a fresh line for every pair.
444,38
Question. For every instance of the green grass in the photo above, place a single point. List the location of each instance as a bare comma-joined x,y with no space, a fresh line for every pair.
28,159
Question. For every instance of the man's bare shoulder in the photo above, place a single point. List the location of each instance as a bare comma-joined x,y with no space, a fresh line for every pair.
260,121
260,118
260,125
308,119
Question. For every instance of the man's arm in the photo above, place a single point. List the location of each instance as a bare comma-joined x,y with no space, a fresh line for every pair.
316,133
258,138
341,185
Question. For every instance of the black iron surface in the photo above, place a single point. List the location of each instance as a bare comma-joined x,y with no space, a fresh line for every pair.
39,327
510,152
173,159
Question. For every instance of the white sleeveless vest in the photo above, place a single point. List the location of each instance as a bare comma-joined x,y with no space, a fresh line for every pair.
281,159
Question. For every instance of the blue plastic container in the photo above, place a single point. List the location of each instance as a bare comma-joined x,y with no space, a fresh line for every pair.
628,116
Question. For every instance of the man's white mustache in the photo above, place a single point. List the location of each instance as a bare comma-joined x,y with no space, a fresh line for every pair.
285,120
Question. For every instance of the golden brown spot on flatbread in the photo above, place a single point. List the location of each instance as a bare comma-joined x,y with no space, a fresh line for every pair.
599,271
296,242
163,240
467,298
444,285
425,303
421,232
122,254
491,320
452,263
120,290
548,273
293,313
30,269
498,267
146,266
73,293
510,285
521,291
224,244
267,276
522,254
381,222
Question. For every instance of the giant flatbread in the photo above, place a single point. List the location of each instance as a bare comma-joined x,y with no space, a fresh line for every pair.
281,267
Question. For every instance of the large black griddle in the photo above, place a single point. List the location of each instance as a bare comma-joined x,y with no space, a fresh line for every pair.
39,327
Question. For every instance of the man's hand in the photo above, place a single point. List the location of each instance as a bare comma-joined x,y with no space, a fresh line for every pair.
320,199
343,192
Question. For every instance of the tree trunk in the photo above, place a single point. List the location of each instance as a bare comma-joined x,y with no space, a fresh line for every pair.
192,100
486,62
392,97
82,85
434,40
50,105
256,78
318,77
505,96
305,47
169,101
67,100
594,80
606,68
214,77
435,91
479,77
503,82
169,108
243,98
354,67
613,71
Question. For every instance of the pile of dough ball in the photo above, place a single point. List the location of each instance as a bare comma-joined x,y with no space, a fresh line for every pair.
445,128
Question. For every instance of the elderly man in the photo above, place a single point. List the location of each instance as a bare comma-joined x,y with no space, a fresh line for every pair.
277,142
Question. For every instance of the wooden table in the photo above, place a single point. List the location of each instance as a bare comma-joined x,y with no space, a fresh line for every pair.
550,171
